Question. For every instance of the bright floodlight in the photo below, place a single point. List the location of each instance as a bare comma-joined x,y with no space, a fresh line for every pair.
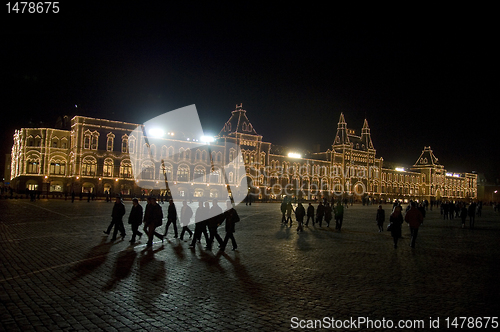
207,139
294,155
400,169
156,132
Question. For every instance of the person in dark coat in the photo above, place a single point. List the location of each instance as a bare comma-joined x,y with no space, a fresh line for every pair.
463,214
414,219
396,220
289,209
472,214
153,217
328,214
135,219
171,218
300,213
339,216
200,226
116,219
380,218
320,212
231,218
283,210
213,223
310,214
186,214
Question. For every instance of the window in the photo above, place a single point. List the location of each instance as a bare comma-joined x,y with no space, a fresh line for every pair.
107,169
94,143
183,173
126,169
110,142
32,187
148,170
57,168
86,142
89,165
199,174
124,145
131,146
32,167
215,176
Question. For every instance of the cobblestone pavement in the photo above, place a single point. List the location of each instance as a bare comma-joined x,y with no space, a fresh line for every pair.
58,272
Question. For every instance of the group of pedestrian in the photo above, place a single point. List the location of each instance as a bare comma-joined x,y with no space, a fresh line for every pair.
205,217
415,215
323,211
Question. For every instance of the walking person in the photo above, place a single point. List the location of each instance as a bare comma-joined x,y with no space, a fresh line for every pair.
283,210
472,214
116,219
231,217
380,218
171,218
135,219
153,217
328,214
186,214
310,214
320,212
300,213
213,223
395,222
414,219
200,226
463,214
289,210
339,215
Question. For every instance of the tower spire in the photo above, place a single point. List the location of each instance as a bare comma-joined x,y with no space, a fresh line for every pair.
366,136
341,137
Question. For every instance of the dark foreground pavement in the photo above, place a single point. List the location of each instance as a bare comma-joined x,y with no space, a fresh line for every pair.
58,272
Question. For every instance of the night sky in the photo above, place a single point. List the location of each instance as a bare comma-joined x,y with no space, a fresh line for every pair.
421,76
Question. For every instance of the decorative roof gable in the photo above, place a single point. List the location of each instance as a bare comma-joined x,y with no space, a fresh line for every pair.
427,158
238,123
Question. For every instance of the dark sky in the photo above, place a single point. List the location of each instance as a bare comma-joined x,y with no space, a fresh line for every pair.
422,77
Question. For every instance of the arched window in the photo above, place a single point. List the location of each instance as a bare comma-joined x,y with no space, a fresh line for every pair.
124,144
126,169
199,174
89,165
108,166
57,167
86,142
131,144
148,170
215,176
183,173
110,142
32,166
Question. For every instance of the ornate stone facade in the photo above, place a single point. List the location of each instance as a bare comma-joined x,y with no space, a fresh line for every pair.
100,156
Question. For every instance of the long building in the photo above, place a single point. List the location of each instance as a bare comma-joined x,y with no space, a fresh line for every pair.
104,156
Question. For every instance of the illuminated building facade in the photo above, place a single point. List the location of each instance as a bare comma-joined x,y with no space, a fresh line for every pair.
99,156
